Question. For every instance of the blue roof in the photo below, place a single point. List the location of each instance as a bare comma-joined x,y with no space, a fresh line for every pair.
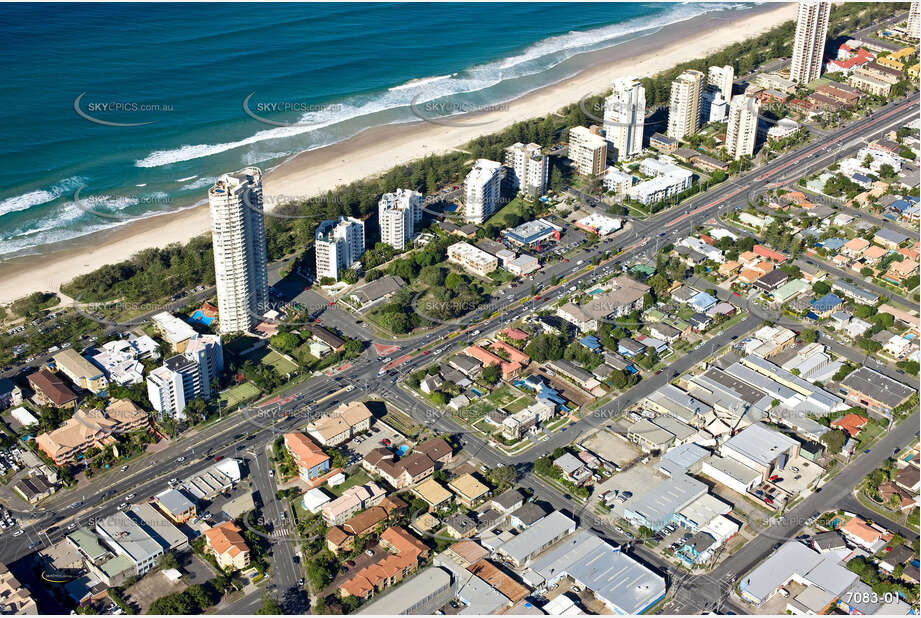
833,243
827,302
702,301
591,342
900,205
860,178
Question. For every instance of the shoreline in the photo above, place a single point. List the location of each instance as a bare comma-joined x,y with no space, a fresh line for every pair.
378,149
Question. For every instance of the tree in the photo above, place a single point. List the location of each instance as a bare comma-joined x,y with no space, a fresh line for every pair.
809,335
168,561
820,288
834,440
270,606
502,476
491,374
285,342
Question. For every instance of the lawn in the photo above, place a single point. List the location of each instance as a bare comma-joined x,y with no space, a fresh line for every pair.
240,393
268,356
519,404
502,396
359,477
238,345
475,411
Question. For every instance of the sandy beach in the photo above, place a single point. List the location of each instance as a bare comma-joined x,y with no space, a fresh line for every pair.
379,149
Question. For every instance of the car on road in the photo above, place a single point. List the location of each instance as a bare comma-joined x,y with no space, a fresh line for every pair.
180,459
271,473
72,526
129,496
124,468
122,506
369,552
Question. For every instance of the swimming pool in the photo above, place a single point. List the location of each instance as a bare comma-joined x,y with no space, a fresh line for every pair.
198,316
402,450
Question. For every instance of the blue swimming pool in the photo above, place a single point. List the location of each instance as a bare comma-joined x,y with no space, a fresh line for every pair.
198,316
402,449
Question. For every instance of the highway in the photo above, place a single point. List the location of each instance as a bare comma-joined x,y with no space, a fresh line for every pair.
251,430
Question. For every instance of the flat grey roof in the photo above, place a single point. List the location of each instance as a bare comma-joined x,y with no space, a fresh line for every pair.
681,458
672,425
735,386
132,539
880,387
614,577
413,592
537,535
157,525
733,469
174,501
659,504
650,431
671,394
760,443
790,558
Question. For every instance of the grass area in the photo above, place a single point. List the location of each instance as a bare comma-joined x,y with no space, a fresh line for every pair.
513,207
869,434
359,477
402,423
239,345
474,412
268,356
241,393
502,396
519,404
483,426
556,424
898,517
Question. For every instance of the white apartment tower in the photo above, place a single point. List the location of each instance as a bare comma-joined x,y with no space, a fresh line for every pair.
809,41
398,213
722,78
624,118
914,20
238,237
338,245
588,150
185,376
482,189
530,168
684,105
713,107
742,126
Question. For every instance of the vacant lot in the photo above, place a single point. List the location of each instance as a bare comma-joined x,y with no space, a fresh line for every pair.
150,588
611,447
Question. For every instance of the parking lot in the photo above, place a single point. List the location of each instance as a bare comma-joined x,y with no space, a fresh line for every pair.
380,431
807,472
637,481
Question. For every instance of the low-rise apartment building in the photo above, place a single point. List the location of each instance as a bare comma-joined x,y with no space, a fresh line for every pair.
225,541
472,259
91,427
342,424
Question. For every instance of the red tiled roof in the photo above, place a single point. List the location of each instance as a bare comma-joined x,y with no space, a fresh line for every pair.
770,254
850,423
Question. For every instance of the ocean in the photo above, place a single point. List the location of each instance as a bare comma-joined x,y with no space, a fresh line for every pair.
114,112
